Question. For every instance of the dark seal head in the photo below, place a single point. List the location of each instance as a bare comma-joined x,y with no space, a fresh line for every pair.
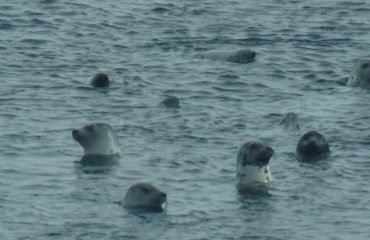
144,196
242,56
100,80
170,102
312,146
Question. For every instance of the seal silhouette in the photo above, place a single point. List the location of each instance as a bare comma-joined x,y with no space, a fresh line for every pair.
360,74
170,102
252,169
97,139
144,195
312,146
234,56
100,80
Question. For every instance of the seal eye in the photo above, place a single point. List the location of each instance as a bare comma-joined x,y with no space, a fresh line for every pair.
91,128
365,65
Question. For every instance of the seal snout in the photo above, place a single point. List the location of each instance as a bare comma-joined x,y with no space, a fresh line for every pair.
163,195
75,134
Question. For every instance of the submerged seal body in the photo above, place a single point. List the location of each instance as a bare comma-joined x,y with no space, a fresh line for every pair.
235,56
144,195
312,146
360,74
100,80
97,139
290,121
170,102
252,169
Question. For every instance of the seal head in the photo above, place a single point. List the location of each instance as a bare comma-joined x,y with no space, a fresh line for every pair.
252,168
100,80
97,139
170,102
144,196
312,146
290,121
360,74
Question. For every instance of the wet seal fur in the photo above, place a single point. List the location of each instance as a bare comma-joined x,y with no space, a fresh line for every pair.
234,56
144,196
290,121
312,146
100,80
170,102
252,169
99,141
360,74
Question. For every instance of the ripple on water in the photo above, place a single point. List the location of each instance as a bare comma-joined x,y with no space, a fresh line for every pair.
52,48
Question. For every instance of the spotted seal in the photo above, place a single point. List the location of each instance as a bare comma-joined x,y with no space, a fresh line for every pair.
97,139
252,169
144,195
360,74
290,121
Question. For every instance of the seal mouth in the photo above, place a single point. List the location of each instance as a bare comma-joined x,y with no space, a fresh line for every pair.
160,201
164,200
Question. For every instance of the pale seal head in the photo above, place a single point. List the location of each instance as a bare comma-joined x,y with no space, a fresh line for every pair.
97,139
252,169
290,121
100,80
360,74
170,102
312,146
144,196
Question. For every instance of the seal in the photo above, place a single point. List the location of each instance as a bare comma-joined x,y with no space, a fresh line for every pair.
234,56
97,139
100,80
170,102
290,121
252,169
144,196
312,146
360,74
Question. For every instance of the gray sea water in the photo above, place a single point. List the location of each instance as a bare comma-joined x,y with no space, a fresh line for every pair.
49,50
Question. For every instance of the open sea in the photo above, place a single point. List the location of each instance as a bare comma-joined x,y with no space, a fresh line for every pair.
50,49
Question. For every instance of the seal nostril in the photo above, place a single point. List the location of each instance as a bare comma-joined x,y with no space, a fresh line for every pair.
163,195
